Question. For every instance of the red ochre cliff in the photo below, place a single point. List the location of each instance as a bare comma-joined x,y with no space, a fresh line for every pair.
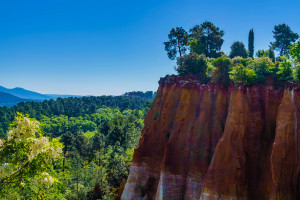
211,142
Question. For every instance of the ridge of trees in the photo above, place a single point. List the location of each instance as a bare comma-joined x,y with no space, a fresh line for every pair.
69,107
203,56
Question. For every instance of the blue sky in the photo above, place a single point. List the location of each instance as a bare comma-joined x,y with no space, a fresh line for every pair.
95,47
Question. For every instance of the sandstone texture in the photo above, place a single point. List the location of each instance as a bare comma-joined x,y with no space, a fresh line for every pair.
214,142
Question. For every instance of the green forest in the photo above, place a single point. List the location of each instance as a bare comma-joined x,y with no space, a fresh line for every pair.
80,148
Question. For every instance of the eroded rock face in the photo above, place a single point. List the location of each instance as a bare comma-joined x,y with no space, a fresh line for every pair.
214,142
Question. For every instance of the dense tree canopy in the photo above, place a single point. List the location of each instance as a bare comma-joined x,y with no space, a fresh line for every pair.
97,152
208,36
284,37
295,51
69,107
238,49
26,159
178,39
194,64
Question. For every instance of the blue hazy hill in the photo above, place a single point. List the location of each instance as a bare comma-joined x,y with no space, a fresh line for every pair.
10,100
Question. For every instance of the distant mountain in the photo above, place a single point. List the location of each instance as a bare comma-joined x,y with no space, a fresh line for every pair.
25,94
55,96
10,100
17,95
145,95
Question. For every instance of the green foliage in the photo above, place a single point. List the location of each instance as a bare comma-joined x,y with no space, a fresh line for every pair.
251,43
284,37
272,55
196,46
295,51
209,36
178,39
240,60
261,67
242,74
26,159
220,74
210,69
296,73
238,49
262,53
193,64
73,110
98,146
266,53
285,69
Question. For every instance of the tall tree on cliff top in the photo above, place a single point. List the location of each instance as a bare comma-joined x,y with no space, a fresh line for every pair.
238,49
210,36
251,43
284,37
177,43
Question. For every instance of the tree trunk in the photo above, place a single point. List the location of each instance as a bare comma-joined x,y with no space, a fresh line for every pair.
179,50
281,51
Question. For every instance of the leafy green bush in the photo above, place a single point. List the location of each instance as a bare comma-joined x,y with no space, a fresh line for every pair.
262,53
296,73
237,60
210,69
193,64
221,73
242,74
196,46
238,49
261,67
295,51
285,69
243,61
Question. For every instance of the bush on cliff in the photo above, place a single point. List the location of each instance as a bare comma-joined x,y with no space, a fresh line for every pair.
285,69
193,64
295,51
220,74
238,49
242,74
261,66
243,61
296,73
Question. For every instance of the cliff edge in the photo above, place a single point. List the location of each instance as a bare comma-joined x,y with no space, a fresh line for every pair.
216,142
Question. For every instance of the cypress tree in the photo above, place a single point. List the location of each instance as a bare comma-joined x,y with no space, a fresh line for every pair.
251,43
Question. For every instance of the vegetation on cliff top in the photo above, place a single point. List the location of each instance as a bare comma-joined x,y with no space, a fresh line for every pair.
204,58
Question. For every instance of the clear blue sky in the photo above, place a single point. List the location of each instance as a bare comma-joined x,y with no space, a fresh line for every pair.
95,47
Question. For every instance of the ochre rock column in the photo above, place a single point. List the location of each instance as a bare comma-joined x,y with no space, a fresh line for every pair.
286,148
243,151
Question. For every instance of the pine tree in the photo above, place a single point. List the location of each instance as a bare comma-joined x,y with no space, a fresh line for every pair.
251,43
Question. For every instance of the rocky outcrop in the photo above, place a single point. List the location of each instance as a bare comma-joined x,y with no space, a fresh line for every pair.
216,142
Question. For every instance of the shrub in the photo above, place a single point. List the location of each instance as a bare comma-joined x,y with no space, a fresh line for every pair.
238,49
243,61
237,60
296,73
262,53
285,69
193,64
241,74
273,69
210,69
295,51
261,67
221,73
